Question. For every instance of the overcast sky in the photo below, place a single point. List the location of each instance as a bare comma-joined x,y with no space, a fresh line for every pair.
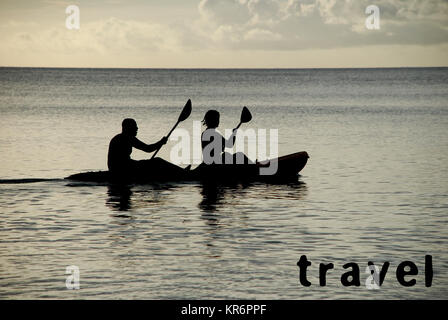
224,33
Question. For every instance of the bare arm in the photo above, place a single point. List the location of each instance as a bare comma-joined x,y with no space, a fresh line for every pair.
136,143
209,136
231,141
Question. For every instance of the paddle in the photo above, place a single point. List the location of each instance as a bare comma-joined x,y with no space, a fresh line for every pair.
245,117
186,111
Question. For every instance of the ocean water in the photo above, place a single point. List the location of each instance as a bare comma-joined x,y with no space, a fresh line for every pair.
375,187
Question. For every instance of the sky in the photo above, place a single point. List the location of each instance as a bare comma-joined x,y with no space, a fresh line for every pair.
224,34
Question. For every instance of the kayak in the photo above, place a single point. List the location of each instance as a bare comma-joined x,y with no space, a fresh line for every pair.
288,168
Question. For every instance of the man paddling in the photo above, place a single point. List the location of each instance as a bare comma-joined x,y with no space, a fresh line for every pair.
120,148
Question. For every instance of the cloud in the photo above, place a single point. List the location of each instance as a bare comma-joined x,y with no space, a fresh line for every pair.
249,24
234,29
301,24
109,36
262,35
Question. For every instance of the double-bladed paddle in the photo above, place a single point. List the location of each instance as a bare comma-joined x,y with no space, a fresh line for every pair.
186,111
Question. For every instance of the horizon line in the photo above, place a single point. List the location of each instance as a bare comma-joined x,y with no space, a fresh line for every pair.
224,68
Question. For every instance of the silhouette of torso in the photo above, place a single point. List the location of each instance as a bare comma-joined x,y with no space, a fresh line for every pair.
120,149
219,143
214,134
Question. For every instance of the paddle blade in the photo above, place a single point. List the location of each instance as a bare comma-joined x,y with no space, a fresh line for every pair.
186,111
245,115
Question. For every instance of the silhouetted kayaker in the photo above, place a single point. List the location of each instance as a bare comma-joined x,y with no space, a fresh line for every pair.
120,148
212,140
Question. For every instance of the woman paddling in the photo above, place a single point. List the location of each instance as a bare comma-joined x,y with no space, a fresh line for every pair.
213,143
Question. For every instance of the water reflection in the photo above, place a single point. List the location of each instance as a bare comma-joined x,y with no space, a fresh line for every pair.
223,206
119,197
130,197
296,190
218,196
215,196
212,195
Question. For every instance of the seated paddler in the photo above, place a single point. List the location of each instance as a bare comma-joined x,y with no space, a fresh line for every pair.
120,148
213,143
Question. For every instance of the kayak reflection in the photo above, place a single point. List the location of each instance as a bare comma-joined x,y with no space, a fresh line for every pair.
216,196
213,195
123,197
119,197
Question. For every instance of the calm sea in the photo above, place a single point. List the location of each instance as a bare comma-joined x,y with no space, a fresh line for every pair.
375,187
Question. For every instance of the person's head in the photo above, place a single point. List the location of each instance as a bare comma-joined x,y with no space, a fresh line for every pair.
129,127
211,119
